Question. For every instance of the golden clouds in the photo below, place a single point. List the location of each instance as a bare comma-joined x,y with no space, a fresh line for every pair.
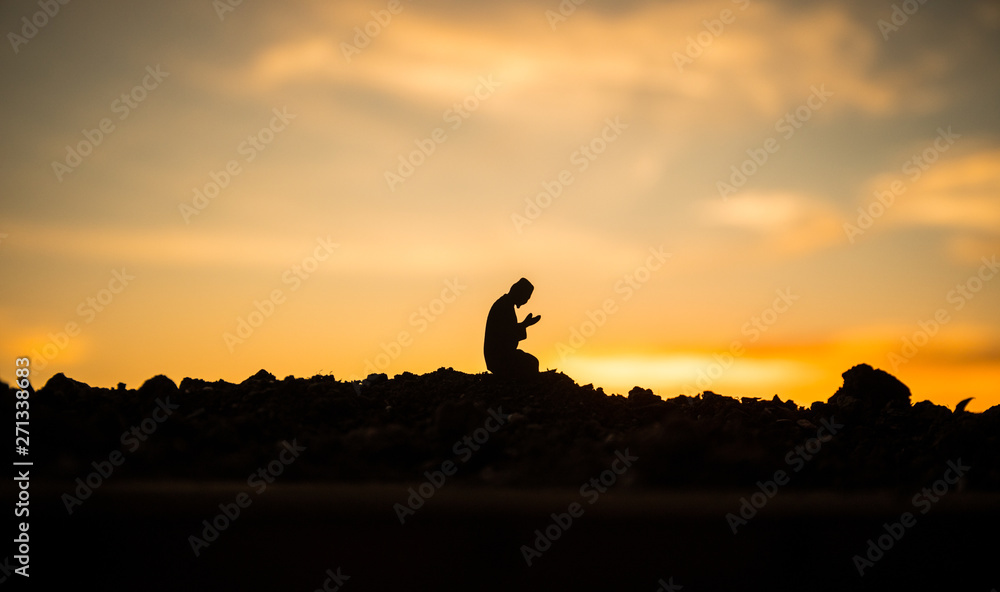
779,224
678,60
947,189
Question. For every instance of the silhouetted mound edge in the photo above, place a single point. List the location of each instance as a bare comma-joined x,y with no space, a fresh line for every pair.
546,432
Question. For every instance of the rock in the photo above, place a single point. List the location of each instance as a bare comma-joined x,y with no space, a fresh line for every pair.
870,391
931,412
62,387
158,386
372,380
641,396
261,375
191,385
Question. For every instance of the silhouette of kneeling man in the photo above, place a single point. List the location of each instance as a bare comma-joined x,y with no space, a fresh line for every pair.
503,332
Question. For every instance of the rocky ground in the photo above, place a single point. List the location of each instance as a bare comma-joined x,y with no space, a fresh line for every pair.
452,481
551,432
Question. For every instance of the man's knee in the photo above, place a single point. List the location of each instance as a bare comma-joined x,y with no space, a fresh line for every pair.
526,363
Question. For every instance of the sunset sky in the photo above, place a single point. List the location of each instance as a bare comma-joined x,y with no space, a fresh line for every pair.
199,189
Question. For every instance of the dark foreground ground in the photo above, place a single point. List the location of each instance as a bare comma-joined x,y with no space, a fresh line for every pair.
455,481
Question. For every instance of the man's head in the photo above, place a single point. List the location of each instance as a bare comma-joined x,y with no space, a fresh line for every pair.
521,291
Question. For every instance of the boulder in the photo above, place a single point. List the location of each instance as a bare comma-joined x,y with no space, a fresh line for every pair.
870,390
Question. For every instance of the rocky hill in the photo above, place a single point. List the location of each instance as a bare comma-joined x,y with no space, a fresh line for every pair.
551,432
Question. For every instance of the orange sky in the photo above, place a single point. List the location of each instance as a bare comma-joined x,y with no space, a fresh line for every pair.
199,192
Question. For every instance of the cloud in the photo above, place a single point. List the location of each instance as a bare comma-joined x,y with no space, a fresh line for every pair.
760,65
778,222
961,193
957,193
172,247
970,248
370,251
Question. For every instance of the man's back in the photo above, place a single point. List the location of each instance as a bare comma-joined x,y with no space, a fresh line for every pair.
502,333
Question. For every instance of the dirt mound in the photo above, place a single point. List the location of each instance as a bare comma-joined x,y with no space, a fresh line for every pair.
550,432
